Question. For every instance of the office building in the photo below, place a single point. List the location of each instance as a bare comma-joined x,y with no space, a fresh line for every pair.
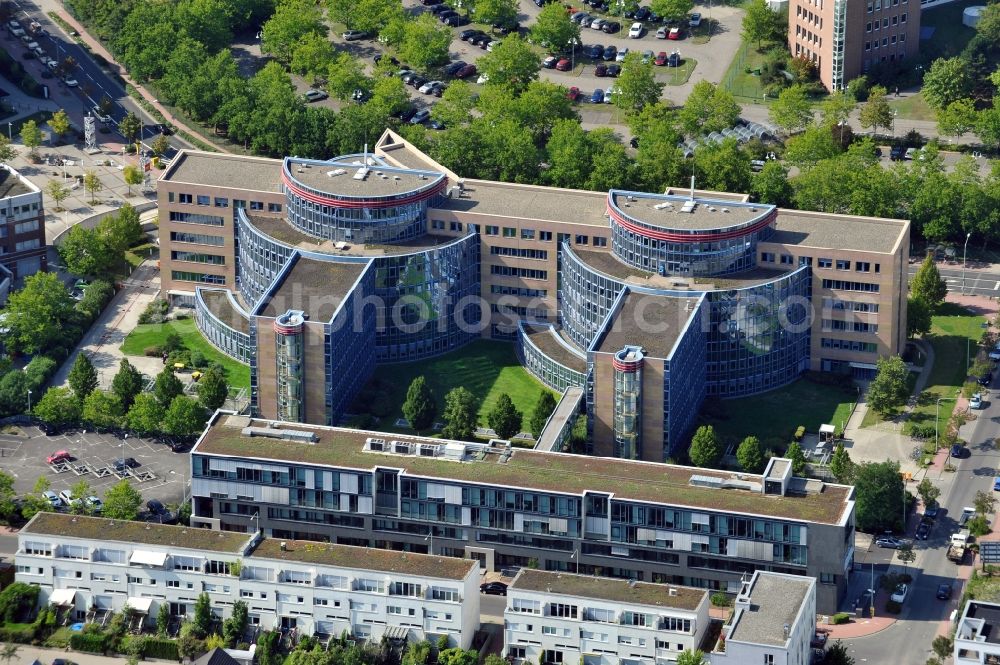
312,272
569,619
22,231
977,638
845,39
88,566
630,519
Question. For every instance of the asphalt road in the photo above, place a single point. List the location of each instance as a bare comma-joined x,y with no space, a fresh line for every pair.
908,641
976,282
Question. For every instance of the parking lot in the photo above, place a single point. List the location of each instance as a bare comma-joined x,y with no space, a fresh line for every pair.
160,473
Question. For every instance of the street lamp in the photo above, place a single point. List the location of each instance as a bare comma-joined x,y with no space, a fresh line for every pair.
895,112
29,401
10,128
937,415
965,248
576,561
430,538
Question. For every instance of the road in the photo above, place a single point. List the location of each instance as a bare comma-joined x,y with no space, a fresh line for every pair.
908,640
978,282
95,83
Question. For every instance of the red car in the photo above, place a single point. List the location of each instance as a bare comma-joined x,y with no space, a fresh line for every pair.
60,456
661,59
466,72
563,65
573,94
675,33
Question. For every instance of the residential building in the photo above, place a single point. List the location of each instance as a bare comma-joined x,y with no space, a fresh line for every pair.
88,566
22,224
977,638
647,521
571,619
845,39
312,272
773,622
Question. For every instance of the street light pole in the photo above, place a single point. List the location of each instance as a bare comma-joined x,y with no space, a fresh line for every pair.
965,249
29,401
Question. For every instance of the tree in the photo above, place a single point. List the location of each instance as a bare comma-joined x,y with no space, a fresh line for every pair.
946,81
7,494
234,627
957,118
636,85
836,654
7,151
942,646
709,108
126,384
771,184
58,192
346,75
888,390
918,317
544,407
985,503
202,622
511,64
92,183
927,284
163,620
497,12
791,111
879,496
928,492
145,415
987,125
133,176
504,418
82,377
212,389
84,252
101,409
292,21
80,491
130,126
876,112
121,231
841,465
672,9
689,657
814,144
837,108
426,42
906,554
461,409
31,137
750,455
553,29
723,166
760,23
59,122
160,145
184,417
122,501
37,315
167,386
366,15
794,453
419,407
705,447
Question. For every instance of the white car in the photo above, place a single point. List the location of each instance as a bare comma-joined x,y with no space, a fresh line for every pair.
72,83
609,95
695,20
95,504
52,498
483,78
621,54
976,402
429,87
597,24
66,496
635,31
899,595
661,32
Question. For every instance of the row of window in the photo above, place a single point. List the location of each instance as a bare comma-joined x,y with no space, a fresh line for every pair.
852,326
845,264
545,236
221,202
892,57
196,218
200,277
24,245
879,5
886,41
197,238
518,291
848,345
439,225
885,23
844,285
520,252
197,257
850,305
524,273
26,227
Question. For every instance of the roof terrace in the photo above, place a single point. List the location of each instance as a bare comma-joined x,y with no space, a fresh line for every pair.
314,287
604,588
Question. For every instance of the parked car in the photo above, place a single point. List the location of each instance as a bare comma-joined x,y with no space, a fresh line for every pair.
597,24
94,503
943,592
661,32
609,95
577,17
896,153
986,379
642,13
614,70
354,35
466,72
593,50
931,510
586,21
661,59
888,542
550,62
564,65
597,97
420,117
312,95
416,81
450,69
923,530
360,95
428,88
995,354
123,463
899,595
976,401
52,498
437,10
601,70
957,450
468,34
493,588
695,20
611,27
59,456
573,94
647,56
435,124
622,52
675,33
159,513
71,82
674,60
456,21
635,32
484,42
66,496
610,53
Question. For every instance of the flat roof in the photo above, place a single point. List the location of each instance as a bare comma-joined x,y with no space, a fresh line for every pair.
314,287
364,558
640,322
221,306
552,204
607,263
554,472
604,588
775,601
258,174
989,614
707,214
11,184
282,231
551,344
137,533
863,234
379,181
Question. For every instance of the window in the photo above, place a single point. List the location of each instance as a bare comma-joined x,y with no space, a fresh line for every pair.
527,234
179,236
184,198
450,595
217,567
545,235
239,203
805,260
902,19
26,227
256,205
520,253
221,202
563,610
600,242
437,224
271,207
170,197
173,584
492,230
196,218
197,257
868,26
786,259
405,589
548,630
824,263
827,578
27,244
581,240
767,257
455,226
843,264
895,20
526,273
768,659
204,200
509,232
183,276
863,266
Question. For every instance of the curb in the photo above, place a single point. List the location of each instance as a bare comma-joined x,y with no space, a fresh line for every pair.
831,636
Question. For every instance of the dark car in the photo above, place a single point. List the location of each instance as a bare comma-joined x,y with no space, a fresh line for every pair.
943,592
493,588
468,34
550,62
354,35
435,124
923,530
437,10
450,70
456,21
597,97
430,3
593,50
985,379
931,511
420,117
507,28
611,27
818,640
610,53
379,56
416,81
614,70
409,76
896,153
634,142
360,95
642,14
445,13
957,451
123,463
573,94
482,41
601,70
156,507
466,72
407,113
159,513
674,60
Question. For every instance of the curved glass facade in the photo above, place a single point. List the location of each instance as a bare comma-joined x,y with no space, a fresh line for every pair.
259,259
234,343
550,372
586,297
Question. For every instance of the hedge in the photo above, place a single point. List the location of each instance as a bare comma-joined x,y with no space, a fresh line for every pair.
21,633
840,617
157,647
88,642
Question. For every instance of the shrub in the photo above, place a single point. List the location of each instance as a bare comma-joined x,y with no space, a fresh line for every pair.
182,317
155,312
800,432
840,618
152,351
905,578
96,297
39,371
197,359
22,633
720,599
924,431
892,607
88,642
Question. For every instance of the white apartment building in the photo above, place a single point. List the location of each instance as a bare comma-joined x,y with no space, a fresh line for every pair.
555,618
90,565
977,638
773,622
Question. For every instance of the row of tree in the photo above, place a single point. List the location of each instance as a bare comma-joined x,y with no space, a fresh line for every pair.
101,250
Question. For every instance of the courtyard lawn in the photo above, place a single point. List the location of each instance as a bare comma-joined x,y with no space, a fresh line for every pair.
954,334
774,416
485,368
153,334
913,107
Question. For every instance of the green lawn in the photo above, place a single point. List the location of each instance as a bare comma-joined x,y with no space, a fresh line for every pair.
679,75
774,416
913,107
484,367
737,80
954,334
153,334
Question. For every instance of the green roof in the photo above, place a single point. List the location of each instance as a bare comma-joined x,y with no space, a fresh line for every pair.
138,533
604,588
553,472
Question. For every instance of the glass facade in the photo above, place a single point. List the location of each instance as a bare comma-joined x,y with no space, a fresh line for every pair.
349,349
259,259
550,372
586,298
232,342
627,422
289,353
